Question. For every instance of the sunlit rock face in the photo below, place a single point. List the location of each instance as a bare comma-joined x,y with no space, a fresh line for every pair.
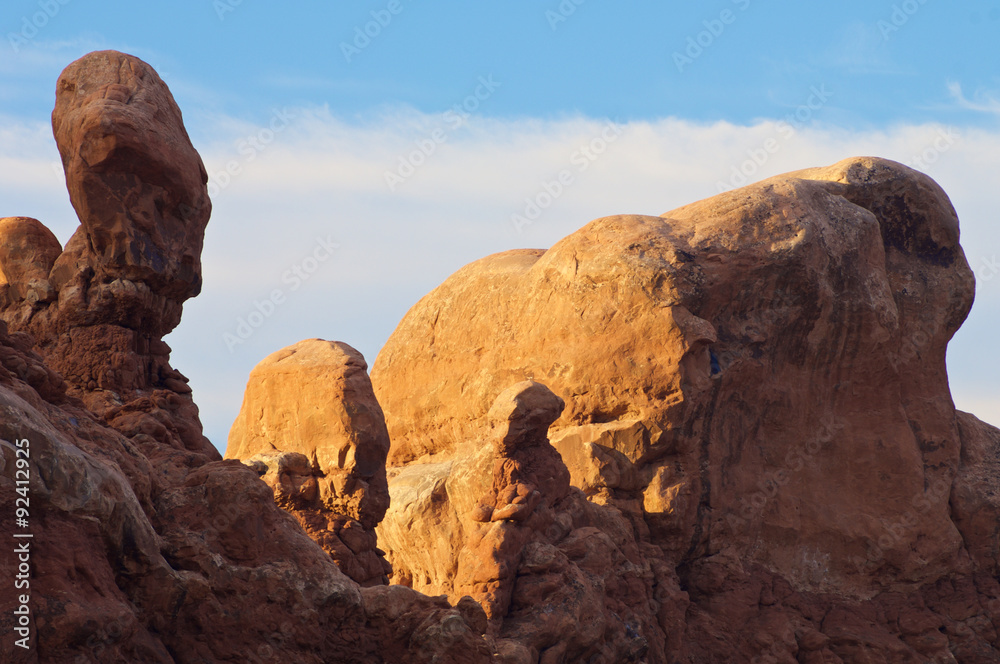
756,381
99,307
312,428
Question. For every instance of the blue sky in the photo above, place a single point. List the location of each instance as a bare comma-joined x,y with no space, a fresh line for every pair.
886,61
308,118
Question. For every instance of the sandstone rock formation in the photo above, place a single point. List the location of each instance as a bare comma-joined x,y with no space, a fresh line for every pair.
136,182
147,546
140,561
99,307
527,477
724,434
756,384
27,252
561,579
312,428
726,328
527,470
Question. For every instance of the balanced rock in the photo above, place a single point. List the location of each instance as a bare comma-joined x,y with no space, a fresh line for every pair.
146,546
312,427
98,308
135,180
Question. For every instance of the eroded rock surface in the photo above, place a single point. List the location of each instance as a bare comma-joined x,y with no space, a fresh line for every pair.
147,546
756,384
136,182
723,434
99,307
560,579
312,428
28,251
726,335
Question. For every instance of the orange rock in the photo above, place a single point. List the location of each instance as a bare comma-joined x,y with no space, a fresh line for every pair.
311,426
757,457
504,527
663,331
146,547
99,307
27,252
757,409
314,398
135,180
527,470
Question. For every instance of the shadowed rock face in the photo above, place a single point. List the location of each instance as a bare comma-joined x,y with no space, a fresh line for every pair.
135,180
99,307
559,577
527,469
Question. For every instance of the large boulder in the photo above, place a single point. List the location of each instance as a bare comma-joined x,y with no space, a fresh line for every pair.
146,546
756,412
312,427
763,366
135,180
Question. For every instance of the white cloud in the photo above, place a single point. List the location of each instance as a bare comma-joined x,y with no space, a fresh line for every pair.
322,177
982,101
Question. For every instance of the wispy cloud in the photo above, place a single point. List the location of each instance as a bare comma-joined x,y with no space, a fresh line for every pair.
982,101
